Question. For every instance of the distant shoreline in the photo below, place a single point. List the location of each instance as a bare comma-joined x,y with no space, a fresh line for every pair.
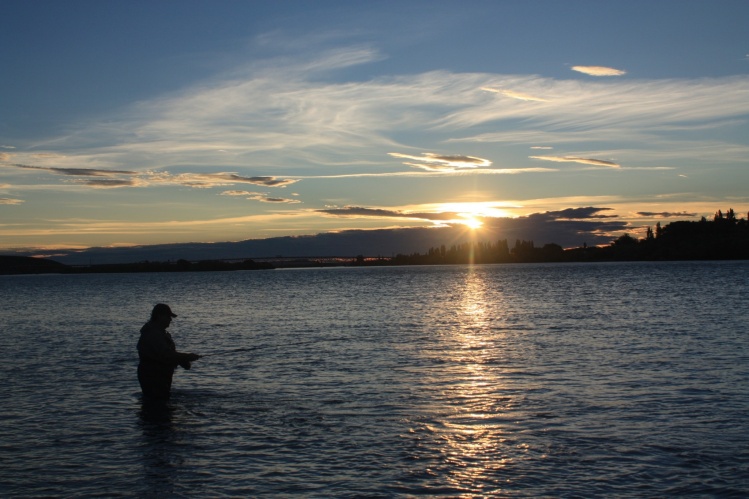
723,238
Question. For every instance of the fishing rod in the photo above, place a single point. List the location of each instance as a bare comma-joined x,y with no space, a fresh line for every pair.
261,347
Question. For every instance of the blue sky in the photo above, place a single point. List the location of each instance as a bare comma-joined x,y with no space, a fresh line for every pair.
131,123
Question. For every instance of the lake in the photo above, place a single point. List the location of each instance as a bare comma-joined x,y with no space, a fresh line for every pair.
538,380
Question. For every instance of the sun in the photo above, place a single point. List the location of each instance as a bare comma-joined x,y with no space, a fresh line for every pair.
472,223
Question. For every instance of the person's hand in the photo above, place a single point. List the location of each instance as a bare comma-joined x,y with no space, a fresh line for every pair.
192,356
185,364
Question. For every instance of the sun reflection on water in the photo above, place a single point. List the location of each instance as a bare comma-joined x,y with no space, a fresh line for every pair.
473,303
472,436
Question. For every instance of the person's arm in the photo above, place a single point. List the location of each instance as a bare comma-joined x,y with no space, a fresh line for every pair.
156,346
185,359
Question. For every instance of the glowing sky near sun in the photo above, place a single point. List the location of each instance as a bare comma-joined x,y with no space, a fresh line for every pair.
125,123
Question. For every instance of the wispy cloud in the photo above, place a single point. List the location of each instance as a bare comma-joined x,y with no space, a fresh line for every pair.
599,70
260,196
274,114
222,179
438,162
434,173
143,179
514,95
78,172
281,121
575,159
109,183
362,212
10,201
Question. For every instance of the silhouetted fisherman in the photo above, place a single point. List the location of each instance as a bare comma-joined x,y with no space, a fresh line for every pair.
159,356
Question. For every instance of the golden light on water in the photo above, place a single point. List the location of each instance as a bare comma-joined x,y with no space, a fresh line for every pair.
473,432
473,302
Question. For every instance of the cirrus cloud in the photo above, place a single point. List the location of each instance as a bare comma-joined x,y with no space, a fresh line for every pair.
109,183
442,162
143,179
77,172
598,70
575,159
514,95
259,196
224,178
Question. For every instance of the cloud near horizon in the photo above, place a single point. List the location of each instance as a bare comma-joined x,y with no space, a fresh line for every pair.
568,214
570,227
665,214
358,211
577,213
11,201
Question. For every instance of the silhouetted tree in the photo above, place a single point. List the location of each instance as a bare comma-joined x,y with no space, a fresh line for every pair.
625,240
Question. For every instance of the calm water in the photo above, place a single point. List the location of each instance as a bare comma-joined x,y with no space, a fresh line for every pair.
615,380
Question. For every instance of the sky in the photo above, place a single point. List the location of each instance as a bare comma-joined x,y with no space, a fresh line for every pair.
142,122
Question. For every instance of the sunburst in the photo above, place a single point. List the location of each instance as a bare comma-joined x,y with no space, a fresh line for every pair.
472,222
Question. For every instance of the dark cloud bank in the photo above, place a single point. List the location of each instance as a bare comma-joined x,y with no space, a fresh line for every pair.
569,228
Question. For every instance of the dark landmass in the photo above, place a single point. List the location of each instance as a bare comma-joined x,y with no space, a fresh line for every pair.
31,265
27,265
723,238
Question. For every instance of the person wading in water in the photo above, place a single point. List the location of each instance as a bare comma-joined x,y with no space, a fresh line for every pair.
159,356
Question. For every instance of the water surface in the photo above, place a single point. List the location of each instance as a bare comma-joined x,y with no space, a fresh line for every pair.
575,380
